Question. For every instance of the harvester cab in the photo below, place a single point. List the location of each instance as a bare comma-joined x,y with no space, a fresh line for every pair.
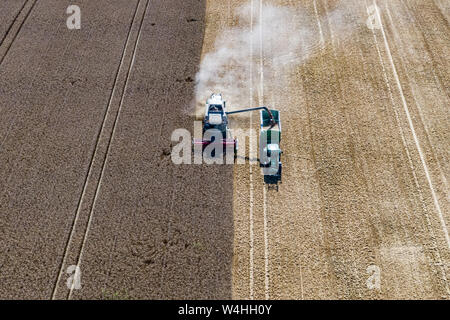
216,118
215,115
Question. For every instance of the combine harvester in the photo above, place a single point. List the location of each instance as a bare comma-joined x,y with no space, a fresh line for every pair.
216,117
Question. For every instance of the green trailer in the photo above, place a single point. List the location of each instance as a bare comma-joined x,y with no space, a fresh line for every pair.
269,143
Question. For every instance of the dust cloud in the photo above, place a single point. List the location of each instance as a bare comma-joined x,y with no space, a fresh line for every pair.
285,36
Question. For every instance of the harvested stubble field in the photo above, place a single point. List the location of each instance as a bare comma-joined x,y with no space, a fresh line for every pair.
86,176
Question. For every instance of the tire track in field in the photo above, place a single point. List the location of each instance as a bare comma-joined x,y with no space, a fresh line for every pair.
12,22
57,119
261,103
132,217
418,148
251,187
417,95
15,27
75,244
413,132
34,80
128,74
